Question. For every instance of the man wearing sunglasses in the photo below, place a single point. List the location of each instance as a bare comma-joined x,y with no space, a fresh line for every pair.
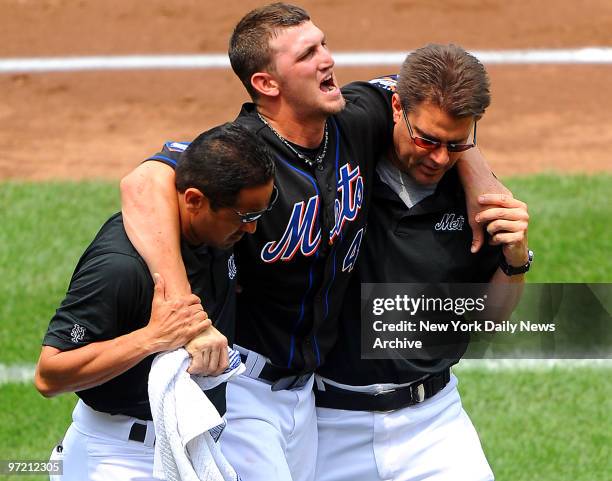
402,419
251,217
116,317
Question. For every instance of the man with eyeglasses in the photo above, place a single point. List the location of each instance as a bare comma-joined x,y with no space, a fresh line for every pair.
251,217
402,419
116,317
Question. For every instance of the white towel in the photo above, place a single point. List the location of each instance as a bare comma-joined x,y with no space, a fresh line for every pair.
187,425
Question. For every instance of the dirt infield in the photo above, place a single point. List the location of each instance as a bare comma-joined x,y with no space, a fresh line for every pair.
100,124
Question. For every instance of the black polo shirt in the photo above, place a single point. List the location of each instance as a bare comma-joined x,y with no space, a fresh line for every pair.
428,243
110,295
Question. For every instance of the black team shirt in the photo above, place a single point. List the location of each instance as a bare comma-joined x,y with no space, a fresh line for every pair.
428,243
110,295
295,269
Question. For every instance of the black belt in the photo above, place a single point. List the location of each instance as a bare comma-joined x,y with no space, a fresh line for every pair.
279,377
338,398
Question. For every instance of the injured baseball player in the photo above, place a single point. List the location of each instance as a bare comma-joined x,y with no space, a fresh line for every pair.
116,316
402,419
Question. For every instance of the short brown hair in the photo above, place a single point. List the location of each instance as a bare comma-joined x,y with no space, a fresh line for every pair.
249,47
447,76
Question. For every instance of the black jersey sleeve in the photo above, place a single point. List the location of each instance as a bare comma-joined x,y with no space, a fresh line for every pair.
104,300
170,153
368,109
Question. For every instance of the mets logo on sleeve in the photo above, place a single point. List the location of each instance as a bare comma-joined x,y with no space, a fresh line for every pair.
77,334
303,233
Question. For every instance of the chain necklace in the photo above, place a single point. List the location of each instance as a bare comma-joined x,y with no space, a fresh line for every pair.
320,156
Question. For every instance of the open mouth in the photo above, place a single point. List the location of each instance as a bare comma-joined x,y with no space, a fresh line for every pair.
328,84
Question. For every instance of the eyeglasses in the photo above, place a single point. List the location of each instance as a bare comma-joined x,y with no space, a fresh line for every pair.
429,144
248,217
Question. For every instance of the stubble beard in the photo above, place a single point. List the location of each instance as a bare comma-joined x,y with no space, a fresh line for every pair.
338,107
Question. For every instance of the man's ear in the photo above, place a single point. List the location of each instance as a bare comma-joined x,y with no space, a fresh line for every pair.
396,105
265,84
195,200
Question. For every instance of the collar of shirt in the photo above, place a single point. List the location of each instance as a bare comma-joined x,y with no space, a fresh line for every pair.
406,188
447,193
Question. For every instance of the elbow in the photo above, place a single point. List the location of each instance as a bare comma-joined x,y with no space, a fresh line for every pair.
43,384
45,388
128,187
145,182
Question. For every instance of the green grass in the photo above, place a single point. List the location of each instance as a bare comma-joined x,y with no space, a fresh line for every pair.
31,425
44,229
544,425
47,227
570,226
550,425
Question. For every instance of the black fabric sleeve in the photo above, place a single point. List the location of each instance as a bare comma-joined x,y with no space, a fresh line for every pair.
487,261
368,109
106,298
170,153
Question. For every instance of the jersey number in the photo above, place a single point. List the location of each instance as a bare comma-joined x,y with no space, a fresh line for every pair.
353,252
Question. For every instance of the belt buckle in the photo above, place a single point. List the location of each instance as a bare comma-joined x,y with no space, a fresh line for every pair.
418,393
382,392
290,382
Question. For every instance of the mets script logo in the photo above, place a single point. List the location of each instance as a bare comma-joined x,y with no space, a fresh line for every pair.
302,232
449,222
231,267
77,334
348,203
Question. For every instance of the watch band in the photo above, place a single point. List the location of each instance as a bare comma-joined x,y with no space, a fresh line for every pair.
513,270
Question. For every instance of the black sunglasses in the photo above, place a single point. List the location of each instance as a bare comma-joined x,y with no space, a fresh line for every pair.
248,217
429,144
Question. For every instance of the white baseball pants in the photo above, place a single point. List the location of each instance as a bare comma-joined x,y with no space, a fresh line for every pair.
96,448
270,435
431,441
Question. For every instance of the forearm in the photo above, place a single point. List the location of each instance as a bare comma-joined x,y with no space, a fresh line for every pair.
477,179
510,288
501,278
504,294
476,175
150,217
506,220
91,365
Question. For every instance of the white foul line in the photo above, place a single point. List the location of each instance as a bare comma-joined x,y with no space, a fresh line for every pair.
24,373
591,55
16,373
531,364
